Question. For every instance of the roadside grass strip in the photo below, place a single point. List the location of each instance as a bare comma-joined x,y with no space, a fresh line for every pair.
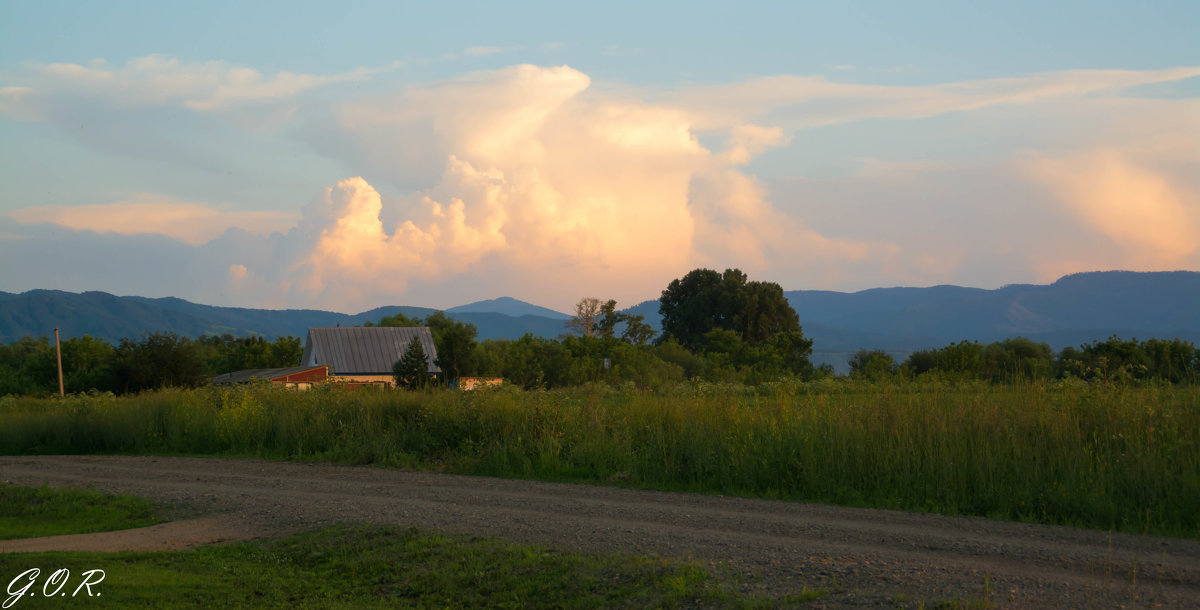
31,512
357,566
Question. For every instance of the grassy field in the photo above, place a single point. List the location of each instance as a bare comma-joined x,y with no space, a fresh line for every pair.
340,567
359,566
1089,455
28,512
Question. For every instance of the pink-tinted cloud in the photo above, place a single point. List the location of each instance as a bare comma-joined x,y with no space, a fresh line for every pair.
800,102
541,174
190,223
159,80
1154,222
532,181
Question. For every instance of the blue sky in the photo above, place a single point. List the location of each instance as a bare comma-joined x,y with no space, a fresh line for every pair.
286,154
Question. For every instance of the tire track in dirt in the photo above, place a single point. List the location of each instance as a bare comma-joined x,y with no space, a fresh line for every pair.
779,547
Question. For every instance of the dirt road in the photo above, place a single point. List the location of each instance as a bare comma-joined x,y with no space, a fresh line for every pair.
872,557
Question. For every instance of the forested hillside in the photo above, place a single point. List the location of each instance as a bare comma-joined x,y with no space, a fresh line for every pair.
1074,310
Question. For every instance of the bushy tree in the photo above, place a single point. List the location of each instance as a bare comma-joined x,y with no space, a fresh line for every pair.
692,365
704,300
286,352
695,304
1017,359
159,360
637,331
455,342
27,366
226,353
88,364
1173,360
962,359
609,319
762,312
746,327
872,364
1116,359
528,362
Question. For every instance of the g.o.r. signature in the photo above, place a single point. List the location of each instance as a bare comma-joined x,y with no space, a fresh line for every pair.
53,585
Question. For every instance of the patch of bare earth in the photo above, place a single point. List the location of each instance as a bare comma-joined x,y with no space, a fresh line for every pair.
869,557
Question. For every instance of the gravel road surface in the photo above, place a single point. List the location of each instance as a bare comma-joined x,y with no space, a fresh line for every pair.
870,557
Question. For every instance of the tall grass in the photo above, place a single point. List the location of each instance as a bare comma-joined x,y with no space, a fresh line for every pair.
1071,453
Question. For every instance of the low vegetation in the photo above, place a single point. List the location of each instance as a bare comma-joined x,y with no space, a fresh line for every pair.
343,566
379,566
1098,455
28,512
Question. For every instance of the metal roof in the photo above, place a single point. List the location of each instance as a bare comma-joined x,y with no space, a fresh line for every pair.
365,350
249,374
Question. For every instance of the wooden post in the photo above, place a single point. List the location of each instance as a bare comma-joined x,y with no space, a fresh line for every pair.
58,348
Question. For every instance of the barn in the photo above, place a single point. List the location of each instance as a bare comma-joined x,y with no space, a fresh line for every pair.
299,377
364,355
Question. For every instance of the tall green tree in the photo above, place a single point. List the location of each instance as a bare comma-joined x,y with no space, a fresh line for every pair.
159,360
636,330
1017,359
88,364
27,366
690,307
762,312
704,300
455,343
609,319
872,364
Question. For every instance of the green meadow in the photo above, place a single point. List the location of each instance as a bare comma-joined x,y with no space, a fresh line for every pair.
1070,452
374,567
27,512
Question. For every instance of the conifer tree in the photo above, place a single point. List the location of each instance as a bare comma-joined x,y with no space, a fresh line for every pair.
411,371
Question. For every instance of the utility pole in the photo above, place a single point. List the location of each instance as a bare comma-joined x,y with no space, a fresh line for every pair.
58,348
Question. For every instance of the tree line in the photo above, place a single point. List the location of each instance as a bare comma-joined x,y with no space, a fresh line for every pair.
29,365
718,327
1020,359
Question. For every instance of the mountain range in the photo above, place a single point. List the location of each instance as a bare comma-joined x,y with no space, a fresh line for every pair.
1076,309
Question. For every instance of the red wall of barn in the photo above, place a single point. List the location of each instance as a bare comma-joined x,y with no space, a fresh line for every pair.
316,374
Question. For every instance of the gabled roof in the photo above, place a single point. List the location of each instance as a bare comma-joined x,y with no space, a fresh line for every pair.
370,350
268,374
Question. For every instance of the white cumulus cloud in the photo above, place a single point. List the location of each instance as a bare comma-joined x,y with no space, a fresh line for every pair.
538,175
532,181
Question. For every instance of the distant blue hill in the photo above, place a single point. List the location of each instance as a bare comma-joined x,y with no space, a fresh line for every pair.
1153,303
1074,310
99,314
509,307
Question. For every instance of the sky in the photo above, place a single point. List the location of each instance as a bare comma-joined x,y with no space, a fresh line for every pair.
352,155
